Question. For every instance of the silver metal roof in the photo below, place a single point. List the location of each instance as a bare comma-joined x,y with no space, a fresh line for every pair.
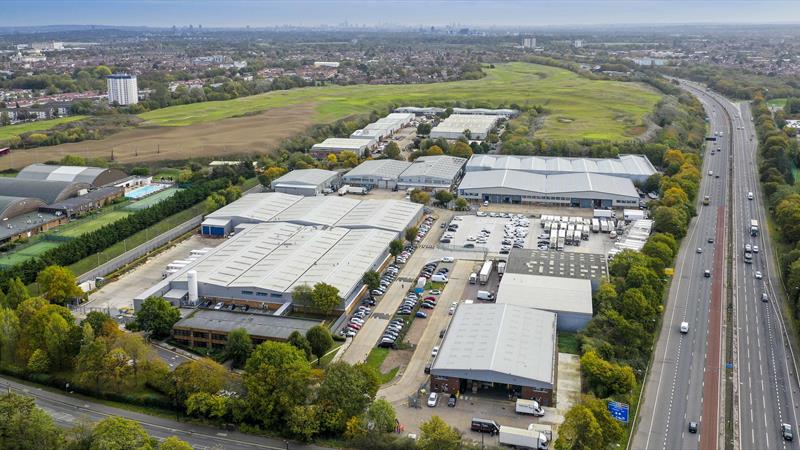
259,207
47,191
306,177
340,144
556,294
637,166
320,210
569,183
436,166
262,325
389,215
96,176
499,343
15,206
457,123
379,168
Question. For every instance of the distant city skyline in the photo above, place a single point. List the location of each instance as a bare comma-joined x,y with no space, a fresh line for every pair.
483,13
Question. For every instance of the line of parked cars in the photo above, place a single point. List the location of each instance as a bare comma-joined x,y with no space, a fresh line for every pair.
424,228
516,230
386,280
222,306
392,333
429,271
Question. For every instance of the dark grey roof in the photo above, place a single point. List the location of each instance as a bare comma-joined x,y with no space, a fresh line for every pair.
261,325
96,176
47,191
95,195
14,206
592,266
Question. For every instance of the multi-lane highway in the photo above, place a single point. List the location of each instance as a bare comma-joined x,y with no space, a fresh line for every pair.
685,381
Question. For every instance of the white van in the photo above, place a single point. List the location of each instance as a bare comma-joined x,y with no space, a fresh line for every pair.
473,278
749,195
439,278
684,327
486,296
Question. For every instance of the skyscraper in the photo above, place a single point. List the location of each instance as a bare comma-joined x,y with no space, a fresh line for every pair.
122,89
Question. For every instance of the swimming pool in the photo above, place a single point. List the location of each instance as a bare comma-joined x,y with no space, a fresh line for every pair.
144,191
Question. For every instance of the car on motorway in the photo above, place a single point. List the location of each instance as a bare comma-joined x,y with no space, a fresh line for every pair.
692,427
749,195
433,399
755,249
699,249
684,327
707,273
711,240
710,173
764,297
786,432
758,275
748,248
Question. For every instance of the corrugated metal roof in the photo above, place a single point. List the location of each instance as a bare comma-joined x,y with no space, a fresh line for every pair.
320,210
457,123
14,206
47,191
79,174
637,166
379,168
435,166
549,184
504,343
390,215
555,294
259,207
340,144
309,177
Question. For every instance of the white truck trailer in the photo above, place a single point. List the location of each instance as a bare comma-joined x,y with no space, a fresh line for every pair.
486,270
595,226
522,438
501,268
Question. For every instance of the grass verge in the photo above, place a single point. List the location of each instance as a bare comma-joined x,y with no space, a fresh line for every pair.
375,360
568,343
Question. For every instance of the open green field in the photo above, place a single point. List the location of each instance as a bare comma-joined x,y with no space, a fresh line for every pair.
375,359
24,254
777,102
13,130
579,107
91,223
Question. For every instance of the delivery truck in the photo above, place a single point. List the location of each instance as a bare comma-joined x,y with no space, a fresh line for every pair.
501,269
486,270
343,190
595,226
522,438
532,407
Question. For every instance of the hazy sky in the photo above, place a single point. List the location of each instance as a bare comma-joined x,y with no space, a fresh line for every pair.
256,13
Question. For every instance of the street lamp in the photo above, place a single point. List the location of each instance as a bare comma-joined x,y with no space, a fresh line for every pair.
287,444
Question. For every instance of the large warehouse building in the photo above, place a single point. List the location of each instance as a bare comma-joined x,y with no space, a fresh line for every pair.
429,173
376,173
388,215
456,126
307,182
634,167
509,348
94,176
582,190
569,298
338,145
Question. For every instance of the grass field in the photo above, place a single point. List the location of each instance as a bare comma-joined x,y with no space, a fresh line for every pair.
580,108
375,358
22,255
13,130
91,223
777,102
152,200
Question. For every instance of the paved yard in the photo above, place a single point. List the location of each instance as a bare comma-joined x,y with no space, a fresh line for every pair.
569,381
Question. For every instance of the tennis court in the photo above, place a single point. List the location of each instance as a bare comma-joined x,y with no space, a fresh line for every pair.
144,191
152,200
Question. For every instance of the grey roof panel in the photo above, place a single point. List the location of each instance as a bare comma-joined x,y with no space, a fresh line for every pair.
262,325
47,191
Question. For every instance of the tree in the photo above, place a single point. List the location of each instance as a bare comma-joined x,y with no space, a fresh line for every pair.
345,392
325,297
303,422
424,129
298,341
580,430
25,426
605,297
659,251
443,197
612,430
371,279
276,378
271,174
9,332
393,150
320,340
238,347
157,316
102,324
173,443
436,434
199,375
118,433
58,284
348,159
461,204
39,362
381,413
434,150
16,293
5,120
302,294
396,247
670,220
90,363
420,196
605,378
461,150
411,233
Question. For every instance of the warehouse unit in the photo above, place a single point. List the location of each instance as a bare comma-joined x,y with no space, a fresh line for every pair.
571,265
263,263
507,348
432,173
456,126
431,111
583,190
376,173
569,298
338,145
634,167
95,176
308,182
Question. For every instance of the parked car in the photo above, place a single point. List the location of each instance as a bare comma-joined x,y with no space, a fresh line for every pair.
433,399
421,315
451,402
435,351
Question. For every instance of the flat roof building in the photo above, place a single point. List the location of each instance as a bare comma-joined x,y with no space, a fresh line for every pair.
569,298
95,176
455,126
507,347
429,111
589,266
376,173
307,182
210,328
94,199
338,145
583,190
634,167
432,173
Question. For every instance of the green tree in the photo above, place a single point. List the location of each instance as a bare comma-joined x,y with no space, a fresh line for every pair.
303,294
5,120
9,333
461,150
396,247
605,378
298,341
24,426
39,362
348,159
580,430
102,71
198,375
320,340
420,196
605,297
393,150
101,323
411,233
157,316
90,364
670,220
117,433
238,347
303,422
325,297
612,430
58,284
424,129
436,434
443,197
16,293
276,379
173,443
371,279
381,413
461,204
345,392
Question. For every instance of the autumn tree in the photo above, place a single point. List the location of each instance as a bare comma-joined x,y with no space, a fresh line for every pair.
436,434
325,297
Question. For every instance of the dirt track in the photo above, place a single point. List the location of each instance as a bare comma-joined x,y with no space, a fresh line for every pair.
259,133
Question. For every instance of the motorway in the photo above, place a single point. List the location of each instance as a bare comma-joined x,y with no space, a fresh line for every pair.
684,375
67,410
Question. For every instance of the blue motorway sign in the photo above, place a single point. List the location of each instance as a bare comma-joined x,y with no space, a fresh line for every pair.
619,411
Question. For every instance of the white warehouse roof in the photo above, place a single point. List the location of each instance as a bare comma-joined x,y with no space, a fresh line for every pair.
379,168
456,124
499,343
435,166
354,145
305,177
548,184
555,294
630,166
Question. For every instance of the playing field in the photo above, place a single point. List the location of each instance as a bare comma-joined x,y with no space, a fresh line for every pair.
777,102
90,223
13,130
578,108
24,254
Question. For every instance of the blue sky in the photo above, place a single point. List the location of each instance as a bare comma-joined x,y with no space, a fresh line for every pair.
256,13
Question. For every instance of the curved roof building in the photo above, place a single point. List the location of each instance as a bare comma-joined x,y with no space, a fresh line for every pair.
47,191
95,176
16,206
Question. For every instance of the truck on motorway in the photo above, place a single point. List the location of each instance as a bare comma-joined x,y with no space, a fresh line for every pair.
595,226
486,270
523,438
753,227
501,268
706,200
